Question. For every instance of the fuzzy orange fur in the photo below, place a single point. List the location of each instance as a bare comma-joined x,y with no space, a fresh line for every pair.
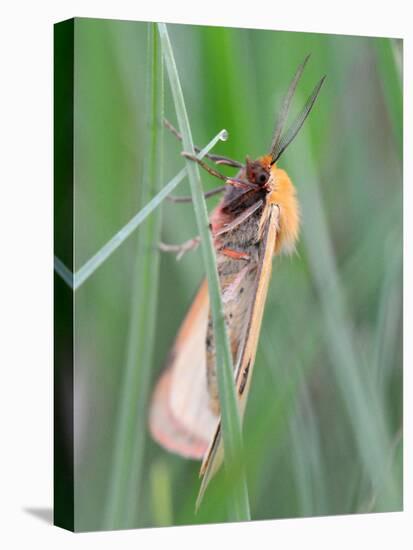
284,195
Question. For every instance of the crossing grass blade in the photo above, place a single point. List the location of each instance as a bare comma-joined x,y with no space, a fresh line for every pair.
125,492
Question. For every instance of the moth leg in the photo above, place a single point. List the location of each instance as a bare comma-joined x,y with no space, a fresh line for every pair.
235,182
188,198
205,166
218,159
180,249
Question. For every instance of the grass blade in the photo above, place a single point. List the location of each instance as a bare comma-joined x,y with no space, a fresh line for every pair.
391,79
161,493
129,447
230,418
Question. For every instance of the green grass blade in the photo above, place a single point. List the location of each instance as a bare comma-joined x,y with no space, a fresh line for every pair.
230,418
307,457
391,79
387,339
161,494
127,475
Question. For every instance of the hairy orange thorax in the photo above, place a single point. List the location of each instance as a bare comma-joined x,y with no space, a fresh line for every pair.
283,193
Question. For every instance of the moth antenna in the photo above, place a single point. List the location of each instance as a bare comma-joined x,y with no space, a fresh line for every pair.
296,125
282,117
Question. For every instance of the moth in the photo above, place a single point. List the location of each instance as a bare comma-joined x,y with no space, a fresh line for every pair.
257,218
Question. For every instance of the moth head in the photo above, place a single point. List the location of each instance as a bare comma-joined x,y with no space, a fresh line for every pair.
257,172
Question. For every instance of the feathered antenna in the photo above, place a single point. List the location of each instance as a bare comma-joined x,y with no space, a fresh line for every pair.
280,143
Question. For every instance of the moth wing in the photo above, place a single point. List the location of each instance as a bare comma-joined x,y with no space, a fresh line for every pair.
215,453
180,418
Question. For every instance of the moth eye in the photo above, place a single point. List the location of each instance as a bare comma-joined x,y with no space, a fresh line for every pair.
262,178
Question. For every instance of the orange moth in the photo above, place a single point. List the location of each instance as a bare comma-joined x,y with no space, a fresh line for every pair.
257,217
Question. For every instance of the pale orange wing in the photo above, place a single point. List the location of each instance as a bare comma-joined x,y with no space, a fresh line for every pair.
180,418
214,455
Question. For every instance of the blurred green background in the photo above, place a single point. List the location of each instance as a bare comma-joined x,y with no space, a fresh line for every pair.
323,427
